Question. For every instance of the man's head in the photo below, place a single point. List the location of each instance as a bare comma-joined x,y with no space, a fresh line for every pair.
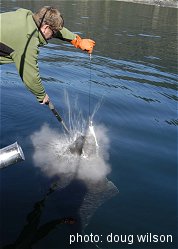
49,21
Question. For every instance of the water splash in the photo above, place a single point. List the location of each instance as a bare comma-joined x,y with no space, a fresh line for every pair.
90,147
52,153
53,157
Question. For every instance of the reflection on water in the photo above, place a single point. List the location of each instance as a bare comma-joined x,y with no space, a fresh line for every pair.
32,231
83,203
134,73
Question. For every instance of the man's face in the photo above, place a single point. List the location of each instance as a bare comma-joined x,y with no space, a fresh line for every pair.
47,31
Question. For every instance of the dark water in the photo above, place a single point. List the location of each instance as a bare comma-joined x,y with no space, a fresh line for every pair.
134,69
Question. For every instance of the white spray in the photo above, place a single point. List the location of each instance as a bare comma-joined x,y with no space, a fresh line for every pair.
53,157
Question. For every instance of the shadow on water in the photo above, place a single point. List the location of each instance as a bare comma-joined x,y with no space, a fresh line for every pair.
33,232
83,200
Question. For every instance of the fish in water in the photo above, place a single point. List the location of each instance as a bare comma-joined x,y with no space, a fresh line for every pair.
77,146
87,145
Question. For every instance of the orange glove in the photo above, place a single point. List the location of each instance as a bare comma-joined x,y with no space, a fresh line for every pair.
83,44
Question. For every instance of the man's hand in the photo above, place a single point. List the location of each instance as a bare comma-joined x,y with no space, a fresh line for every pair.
45,100
84,44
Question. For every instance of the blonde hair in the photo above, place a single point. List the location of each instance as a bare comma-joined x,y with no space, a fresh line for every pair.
49,16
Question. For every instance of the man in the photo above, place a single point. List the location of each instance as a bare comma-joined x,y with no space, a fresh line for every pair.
22,33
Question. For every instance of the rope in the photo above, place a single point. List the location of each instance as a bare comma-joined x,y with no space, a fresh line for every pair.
89,94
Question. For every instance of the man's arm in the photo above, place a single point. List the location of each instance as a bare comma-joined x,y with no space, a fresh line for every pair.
27,66
76,40
65,35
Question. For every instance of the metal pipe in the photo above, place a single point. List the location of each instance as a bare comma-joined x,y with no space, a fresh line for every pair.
10,155
59,118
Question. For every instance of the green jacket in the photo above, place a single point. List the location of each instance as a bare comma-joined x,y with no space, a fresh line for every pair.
19,32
